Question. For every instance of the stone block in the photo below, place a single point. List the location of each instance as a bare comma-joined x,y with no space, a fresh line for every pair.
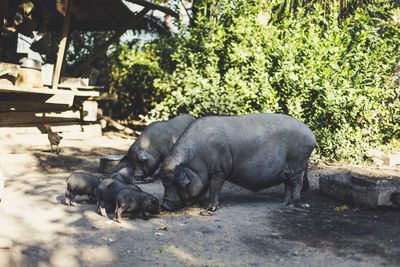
359,189
391,160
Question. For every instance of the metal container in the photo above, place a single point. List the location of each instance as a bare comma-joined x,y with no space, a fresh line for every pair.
108,163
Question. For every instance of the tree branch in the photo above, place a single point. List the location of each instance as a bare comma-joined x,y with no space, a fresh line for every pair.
150,5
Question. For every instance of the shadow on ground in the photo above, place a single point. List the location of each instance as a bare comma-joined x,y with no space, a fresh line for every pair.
355,233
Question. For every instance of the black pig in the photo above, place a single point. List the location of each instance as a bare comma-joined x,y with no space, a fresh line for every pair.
153,146
107,191
137,202
255,151
80,183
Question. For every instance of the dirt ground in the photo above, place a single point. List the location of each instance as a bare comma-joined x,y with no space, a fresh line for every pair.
249,229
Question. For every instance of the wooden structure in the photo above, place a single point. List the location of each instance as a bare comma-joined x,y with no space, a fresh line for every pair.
61,104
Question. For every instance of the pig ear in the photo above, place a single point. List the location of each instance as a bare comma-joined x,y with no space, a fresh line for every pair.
142,156
181,176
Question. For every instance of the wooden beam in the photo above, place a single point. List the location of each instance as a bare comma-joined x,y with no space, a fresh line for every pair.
8,106
15,118
62,46
118,126
47,91
105,14
150,5
110,41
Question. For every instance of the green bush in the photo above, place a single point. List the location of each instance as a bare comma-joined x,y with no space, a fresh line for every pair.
333,75
132,75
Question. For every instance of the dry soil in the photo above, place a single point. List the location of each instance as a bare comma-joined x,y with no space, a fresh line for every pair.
249,229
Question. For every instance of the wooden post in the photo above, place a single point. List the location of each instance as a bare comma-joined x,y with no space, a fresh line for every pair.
111,40
63,44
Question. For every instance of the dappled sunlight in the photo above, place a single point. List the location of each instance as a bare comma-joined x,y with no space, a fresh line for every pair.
181,255
37,229
145,142
58,253
98,221
97,255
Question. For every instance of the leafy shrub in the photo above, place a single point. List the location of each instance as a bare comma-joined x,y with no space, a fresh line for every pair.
132,75
333,75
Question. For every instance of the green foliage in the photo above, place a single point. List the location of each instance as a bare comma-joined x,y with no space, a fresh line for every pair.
132,75
333,75
346,7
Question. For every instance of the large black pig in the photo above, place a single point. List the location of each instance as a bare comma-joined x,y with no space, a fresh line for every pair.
80,183
106,192
136,202
255,151
154,144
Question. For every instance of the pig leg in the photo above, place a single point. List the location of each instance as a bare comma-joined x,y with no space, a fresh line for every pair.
296,185
216,183
296,189
293,183
102,209
69,198
118,214
288,194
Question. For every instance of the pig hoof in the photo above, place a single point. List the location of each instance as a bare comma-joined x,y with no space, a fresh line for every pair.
296,203
288,204
212,208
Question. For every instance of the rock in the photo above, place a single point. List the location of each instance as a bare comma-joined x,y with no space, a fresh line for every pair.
375,155
359,189
391,160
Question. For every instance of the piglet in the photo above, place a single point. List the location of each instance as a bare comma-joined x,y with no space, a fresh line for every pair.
80,183
137,202
124,175
107,191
